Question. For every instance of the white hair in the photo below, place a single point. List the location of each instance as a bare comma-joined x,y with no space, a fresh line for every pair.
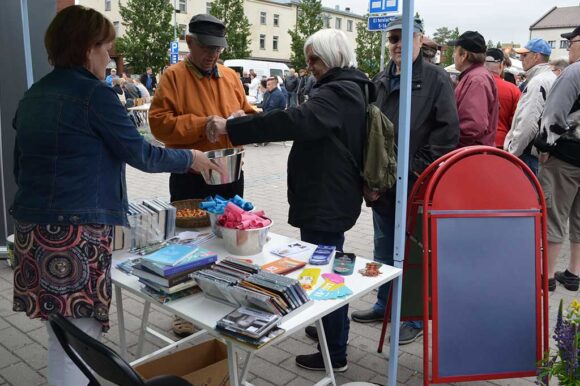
332,47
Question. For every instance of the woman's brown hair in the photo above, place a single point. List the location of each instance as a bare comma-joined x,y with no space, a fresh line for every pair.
71,34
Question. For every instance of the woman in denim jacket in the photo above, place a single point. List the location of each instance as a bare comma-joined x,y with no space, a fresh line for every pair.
73,138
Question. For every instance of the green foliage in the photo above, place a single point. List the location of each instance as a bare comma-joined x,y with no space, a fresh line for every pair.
148,32
231,12
490,44
368,49
442,35
309,21
498,45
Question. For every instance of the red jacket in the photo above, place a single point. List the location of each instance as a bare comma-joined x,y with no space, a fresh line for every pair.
509,95
477,106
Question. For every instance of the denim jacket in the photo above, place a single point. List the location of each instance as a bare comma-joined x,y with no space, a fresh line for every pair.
73,138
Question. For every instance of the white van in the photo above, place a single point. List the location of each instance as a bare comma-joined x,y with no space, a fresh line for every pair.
261,68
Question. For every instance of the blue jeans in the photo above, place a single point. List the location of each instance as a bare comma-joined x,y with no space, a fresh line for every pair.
531,161
292,99
336,324
384,230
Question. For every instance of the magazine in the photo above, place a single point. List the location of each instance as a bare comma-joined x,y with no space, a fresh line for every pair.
249,322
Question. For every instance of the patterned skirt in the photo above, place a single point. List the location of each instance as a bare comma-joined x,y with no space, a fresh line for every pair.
64,269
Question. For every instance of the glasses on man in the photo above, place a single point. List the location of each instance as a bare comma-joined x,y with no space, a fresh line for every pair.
394,39
570,42
209,49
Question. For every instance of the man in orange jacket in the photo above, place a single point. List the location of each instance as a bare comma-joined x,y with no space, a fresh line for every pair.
188,93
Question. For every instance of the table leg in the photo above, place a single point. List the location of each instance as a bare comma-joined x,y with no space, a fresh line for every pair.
143,329
325,353
121,321
246,367
395,321
233,365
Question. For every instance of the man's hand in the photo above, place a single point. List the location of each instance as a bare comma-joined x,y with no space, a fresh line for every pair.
237,114
201,163
370,195
214,127
543,157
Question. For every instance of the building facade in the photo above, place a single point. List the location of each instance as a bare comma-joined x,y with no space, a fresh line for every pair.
554,23
269,20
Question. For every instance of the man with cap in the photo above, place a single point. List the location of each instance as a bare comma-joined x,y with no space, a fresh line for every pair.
559,140
434,132
188,93
429,50
539,79
508,93
476,93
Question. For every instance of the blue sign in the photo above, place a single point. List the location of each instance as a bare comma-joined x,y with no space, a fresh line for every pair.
174,47
384,6
174,58
379,23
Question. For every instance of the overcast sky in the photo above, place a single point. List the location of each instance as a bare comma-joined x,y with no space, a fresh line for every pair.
498,20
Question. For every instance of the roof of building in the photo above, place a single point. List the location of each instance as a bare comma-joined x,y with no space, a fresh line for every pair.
562,17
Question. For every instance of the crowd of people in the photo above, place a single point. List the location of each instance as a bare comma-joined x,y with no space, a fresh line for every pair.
71,151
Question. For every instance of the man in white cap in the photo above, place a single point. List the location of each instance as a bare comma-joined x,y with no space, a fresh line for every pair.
539,79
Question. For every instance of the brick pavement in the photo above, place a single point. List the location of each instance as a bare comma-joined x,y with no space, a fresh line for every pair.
23,341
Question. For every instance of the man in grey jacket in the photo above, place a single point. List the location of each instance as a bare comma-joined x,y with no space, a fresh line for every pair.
559,141
525,125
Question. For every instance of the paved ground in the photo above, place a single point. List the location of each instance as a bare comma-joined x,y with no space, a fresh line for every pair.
23,341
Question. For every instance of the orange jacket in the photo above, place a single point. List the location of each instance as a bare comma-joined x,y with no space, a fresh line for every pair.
185,98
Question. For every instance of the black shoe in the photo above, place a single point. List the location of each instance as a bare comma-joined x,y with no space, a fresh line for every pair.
408,334
367,316
552,285
315,362
312,333
571,282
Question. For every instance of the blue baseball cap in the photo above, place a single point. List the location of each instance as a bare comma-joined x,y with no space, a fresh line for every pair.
536,45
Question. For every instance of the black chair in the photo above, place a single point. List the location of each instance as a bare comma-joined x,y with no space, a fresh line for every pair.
89,354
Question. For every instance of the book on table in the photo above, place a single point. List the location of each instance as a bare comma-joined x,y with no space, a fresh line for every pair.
169,290
143,272
177,258
248,322
283,265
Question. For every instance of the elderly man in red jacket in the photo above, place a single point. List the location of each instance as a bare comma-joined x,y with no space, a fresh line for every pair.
476,93
508,94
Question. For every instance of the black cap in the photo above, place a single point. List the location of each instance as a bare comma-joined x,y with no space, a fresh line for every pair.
494,55
209,30
573,34
471,41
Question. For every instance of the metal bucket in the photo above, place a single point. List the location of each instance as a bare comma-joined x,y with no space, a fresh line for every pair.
245,242
230,163
214,225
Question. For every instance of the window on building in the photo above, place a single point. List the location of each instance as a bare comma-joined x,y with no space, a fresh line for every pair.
182,31
275,43
276,20
116,26
326,21
208,7
349,25
564,44
262,42
262,17
552,43
338,23
107,5
183,6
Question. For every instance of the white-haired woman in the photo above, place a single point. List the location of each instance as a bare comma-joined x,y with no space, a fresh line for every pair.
324,188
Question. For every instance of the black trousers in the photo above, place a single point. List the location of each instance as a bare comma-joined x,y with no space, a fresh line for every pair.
186,186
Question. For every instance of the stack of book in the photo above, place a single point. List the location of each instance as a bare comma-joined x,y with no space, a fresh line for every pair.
166,272
250,326
242,284
151,221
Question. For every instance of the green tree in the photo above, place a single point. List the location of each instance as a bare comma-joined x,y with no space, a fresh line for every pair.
309,21
498,45
490,44
442,35
231,12
368,48
148,32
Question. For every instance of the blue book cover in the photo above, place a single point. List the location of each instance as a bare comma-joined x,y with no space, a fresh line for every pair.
195,257
171,254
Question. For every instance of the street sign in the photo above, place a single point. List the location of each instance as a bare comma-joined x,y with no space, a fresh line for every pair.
392,7
174,58
378,23
174,47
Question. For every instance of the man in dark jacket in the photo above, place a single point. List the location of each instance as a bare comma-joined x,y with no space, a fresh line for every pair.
291,85
434,132
324,188
149,81
305,85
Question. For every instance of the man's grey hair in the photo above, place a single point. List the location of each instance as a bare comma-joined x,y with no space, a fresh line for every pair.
560,64
494,67
332,47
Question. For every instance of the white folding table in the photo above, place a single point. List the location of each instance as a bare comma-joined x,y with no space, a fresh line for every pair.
204,312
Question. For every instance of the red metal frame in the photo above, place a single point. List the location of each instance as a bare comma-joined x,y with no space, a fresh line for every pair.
427,193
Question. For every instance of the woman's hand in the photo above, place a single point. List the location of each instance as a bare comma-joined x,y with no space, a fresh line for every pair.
214,127
201,163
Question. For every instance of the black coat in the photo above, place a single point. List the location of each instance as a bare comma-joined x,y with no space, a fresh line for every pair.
324,188
434,119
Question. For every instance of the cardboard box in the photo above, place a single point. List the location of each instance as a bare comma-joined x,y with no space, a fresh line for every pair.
203,365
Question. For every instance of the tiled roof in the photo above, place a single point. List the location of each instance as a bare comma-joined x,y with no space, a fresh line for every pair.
559,18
